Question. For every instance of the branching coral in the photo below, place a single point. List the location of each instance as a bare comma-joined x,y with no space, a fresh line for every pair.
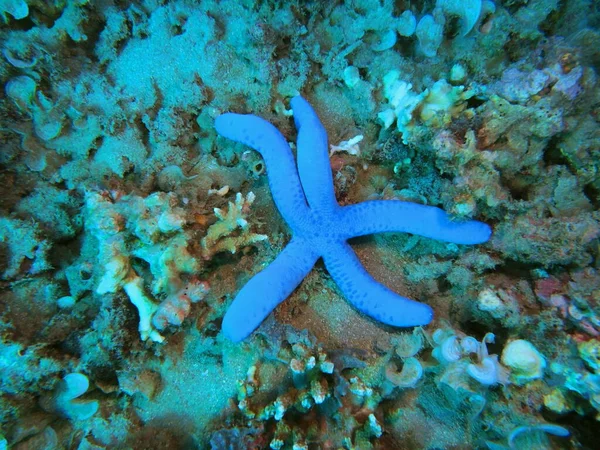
155,225
433,108
316,403
153,229
231,231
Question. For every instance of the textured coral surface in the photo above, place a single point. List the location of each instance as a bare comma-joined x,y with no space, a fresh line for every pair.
128,225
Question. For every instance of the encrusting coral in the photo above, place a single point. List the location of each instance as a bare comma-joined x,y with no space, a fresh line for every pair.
116,192
24,243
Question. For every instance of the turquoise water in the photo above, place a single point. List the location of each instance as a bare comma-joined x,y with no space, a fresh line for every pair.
174,276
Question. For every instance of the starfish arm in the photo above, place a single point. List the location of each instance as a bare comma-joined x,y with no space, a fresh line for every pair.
279,161
313,156
267,289
371,297
379,216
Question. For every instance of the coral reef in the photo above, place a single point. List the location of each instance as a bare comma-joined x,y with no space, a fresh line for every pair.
129,227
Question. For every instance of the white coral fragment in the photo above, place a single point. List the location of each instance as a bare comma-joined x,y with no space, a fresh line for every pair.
146,309
148,228
350,146
231,231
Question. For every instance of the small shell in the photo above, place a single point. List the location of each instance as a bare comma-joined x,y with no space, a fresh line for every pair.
451,350
411,373
525,362
469,345
485,372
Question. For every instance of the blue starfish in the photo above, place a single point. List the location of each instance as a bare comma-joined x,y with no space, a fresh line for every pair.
320,227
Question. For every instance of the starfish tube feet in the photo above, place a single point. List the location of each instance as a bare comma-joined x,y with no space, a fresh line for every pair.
259,297
371,297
